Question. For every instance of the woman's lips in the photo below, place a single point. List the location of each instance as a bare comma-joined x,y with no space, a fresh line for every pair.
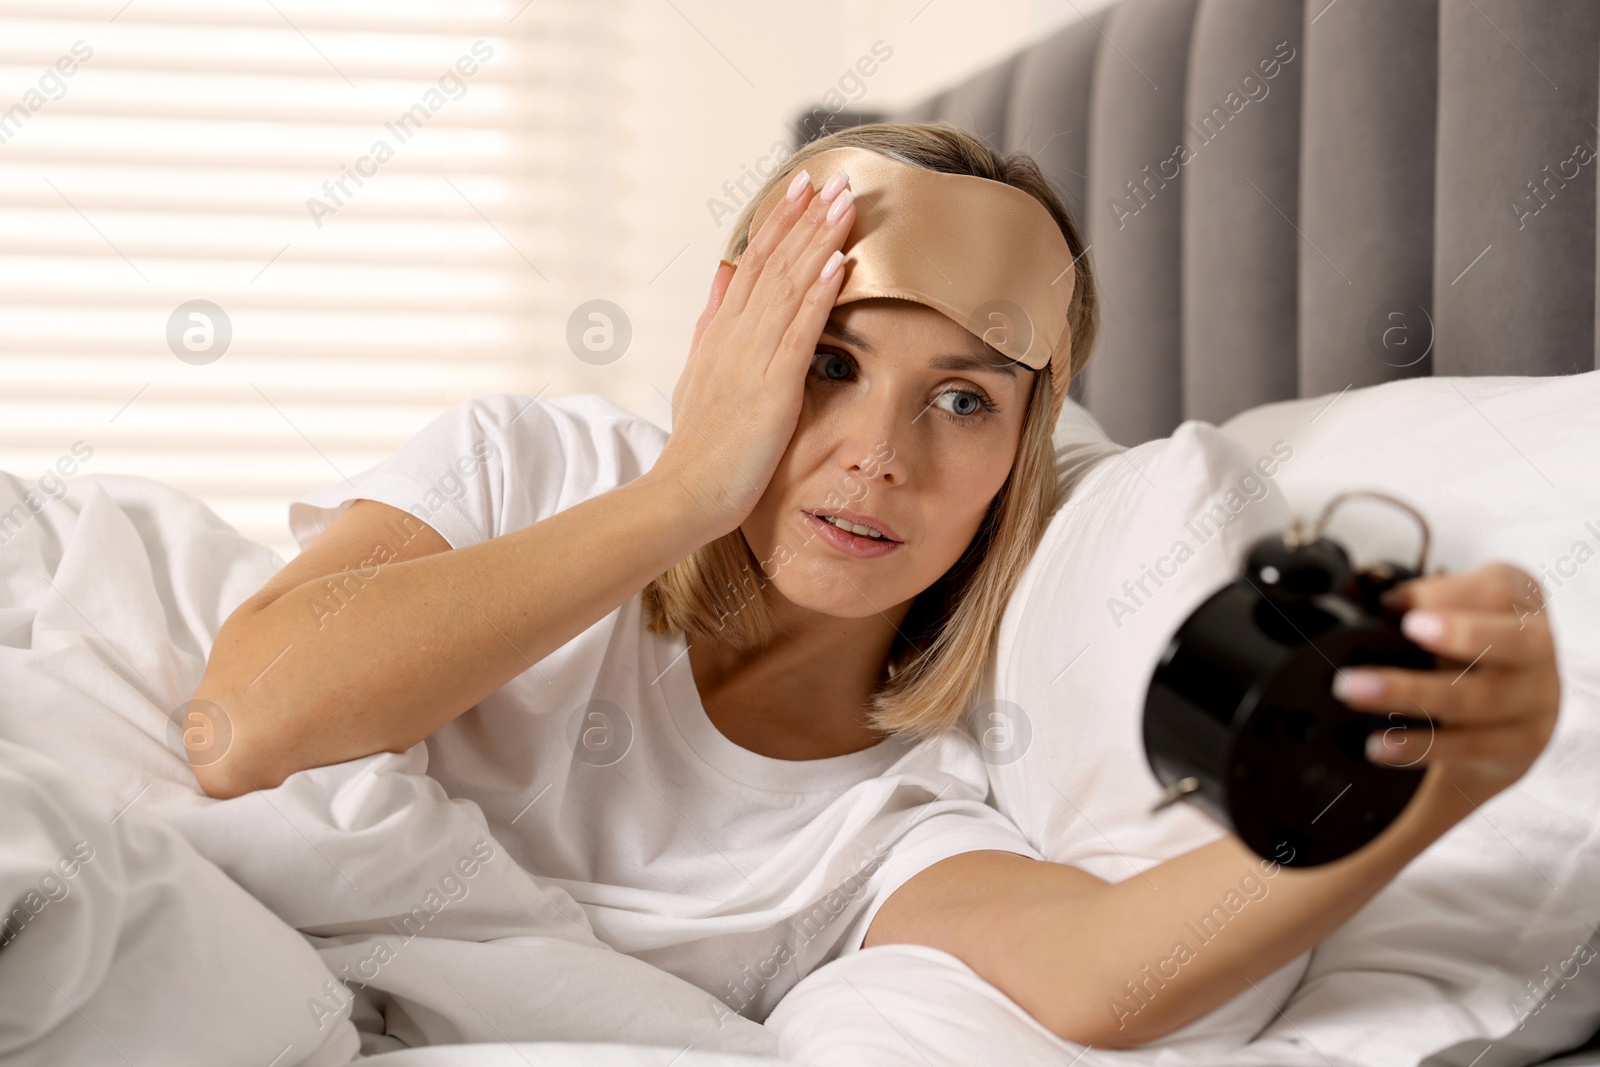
872,522
850,544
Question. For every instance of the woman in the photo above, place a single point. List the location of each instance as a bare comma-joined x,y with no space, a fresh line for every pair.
723,722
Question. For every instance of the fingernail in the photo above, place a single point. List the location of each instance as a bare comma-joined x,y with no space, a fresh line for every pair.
832,264
830,189
1422,625
728,263
801,180
1376,748
1355,684
841,202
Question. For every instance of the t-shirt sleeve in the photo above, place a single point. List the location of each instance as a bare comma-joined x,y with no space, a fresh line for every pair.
949,829
495,464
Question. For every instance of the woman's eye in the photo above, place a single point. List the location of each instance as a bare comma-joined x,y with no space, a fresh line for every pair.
965,404
966,407
826,360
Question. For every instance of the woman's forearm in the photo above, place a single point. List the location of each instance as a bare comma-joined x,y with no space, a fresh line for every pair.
1123,964
1199,928
423,640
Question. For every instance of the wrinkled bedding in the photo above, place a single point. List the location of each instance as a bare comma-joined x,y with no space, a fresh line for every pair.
426,933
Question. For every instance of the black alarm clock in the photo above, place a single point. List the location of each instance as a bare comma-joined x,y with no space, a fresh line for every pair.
1239,717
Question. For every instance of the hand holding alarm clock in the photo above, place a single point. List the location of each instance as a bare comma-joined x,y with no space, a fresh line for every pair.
1307,704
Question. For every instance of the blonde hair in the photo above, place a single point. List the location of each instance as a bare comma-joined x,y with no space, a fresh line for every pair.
936,662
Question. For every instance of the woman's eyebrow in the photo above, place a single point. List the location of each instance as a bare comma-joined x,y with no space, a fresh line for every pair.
1007,367
849,336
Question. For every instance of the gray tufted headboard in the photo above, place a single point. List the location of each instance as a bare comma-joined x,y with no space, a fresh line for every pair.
1365,190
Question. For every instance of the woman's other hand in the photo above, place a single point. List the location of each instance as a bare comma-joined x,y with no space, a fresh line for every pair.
738,400
1492,700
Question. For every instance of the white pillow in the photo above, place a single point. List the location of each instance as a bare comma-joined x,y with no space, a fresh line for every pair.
1143,537
1502,468
1442,958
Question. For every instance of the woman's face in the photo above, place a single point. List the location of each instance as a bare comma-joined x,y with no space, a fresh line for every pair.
908,427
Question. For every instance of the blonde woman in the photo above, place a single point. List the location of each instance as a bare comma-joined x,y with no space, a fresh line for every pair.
710,682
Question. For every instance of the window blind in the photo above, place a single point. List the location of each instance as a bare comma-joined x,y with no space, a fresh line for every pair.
248,248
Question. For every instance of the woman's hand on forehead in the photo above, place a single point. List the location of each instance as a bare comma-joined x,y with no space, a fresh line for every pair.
738,400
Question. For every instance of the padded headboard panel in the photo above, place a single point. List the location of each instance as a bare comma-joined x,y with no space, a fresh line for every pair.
1283,200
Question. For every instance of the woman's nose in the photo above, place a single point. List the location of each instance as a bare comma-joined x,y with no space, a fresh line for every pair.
875,429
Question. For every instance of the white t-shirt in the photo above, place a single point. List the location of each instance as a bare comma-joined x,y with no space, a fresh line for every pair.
599,769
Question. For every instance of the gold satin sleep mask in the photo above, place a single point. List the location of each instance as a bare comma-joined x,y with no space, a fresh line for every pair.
983,253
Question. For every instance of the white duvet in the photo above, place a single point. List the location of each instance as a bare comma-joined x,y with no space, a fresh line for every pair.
418,929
